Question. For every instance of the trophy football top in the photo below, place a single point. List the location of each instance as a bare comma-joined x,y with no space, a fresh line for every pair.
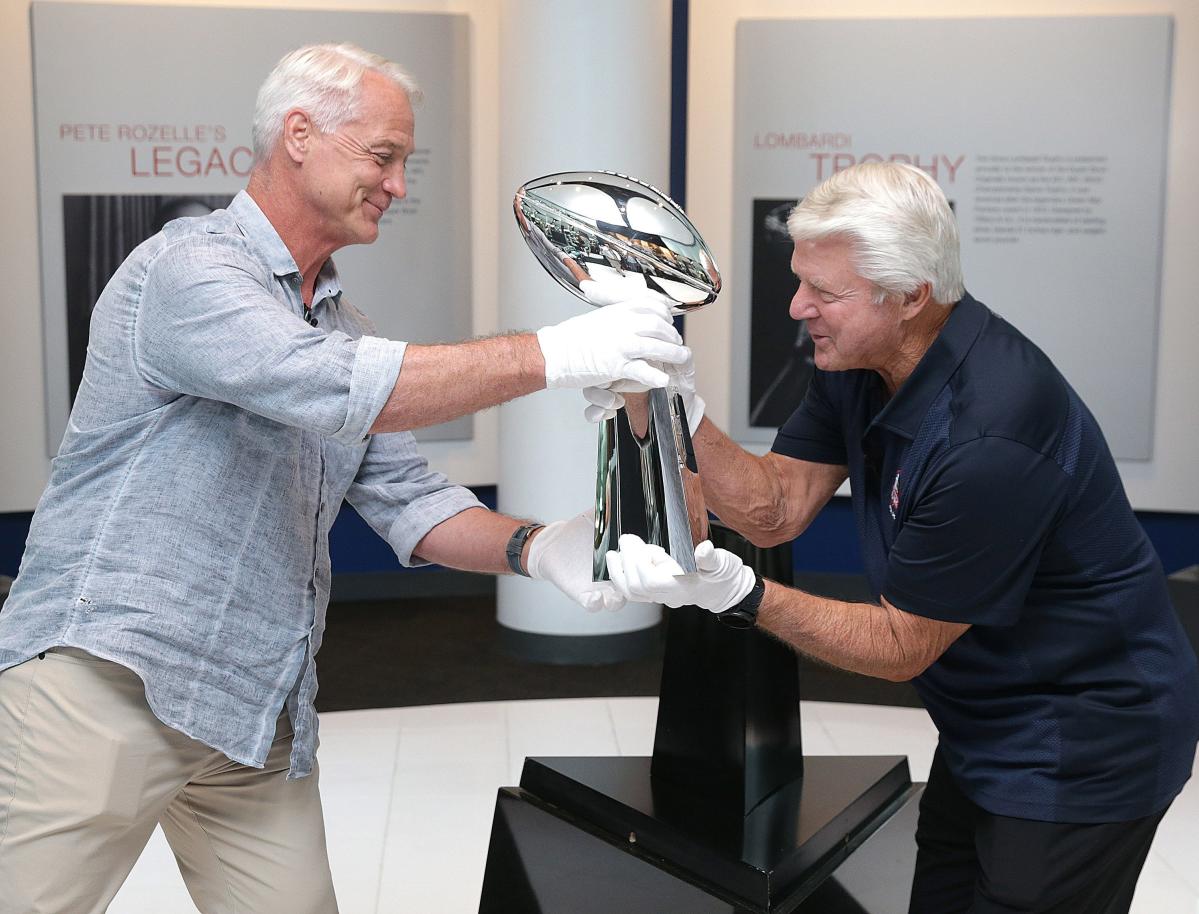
605,237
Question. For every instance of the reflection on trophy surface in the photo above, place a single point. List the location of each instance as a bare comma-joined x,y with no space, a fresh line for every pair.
606,238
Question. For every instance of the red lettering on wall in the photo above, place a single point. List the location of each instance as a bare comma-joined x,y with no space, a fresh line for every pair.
189,162
133,169
241,160
937,165
82,133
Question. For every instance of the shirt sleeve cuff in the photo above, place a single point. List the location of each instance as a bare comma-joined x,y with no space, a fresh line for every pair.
920,605
422,516
377,365
809,449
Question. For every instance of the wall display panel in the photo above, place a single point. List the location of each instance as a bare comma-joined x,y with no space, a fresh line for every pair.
154,121
1047,135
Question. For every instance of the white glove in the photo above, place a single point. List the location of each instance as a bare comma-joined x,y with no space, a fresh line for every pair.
605,401
647,574
561,554
616,342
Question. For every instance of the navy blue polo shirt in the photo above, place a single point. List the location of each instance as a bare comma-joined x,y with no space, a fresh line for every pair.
985,493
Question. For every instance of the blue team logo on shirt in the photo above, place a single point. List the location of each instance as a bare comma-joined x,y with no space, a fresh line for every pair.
894,502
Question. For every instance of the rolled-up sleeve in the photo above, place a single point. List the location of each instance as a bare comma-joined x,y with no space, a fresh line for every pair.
376,367
401,498
207,326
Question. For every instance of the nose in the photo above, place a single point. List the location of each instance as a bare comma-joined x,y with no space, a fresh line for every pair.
395,182
803,305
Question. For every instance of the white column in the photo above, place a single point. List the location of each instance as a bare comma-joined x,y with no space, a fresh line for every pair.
583,85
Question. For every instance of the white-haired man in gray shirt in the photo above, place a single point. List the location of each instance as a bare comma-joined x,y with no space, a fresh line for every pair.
157,650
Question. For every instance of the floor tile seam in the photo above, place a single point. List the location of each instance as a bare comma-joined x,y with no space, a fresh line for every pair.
535,729
507,753
456,740
395,766
620,750
1165,861
828,734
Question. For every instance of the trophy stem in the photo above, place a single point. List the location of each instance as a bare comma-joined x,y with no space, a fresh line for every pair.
607,498
671,465
645,459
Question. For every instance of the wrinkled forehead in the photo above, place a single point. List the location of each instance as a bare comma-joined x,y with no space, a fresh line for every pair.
833,259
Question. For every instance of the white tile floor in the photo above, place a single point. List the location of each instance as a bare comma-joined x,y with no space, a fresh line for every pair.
409,794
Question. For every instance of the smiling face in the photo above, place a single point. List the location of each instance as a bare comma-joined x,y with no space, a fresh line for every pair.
847,326
352,174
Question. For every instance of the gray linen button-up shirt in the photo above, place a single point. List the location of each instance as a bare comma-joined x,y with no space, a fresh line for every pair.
184,532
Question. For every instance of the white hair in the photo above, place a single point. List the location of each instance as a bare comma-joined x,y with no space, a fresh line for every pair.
323,81
898,222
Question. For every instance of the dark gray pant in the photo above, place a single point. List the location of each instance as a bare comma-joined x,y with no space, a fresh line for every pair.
972,862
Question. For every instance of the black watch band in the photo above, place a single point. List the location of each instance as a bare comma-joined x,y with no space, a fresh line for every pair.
744,614
516,545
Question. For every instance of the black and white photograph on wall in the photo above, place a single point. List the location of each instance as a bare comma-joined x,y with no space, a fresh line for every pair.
99,232
781,352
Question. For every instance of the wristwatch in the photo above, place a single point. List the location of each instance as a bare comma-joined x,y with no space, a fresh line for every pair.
516,545
744,614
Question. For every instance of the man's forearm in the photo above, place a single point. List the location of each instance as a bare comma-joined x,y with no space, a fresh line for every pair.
875,640
769,499
473,540
737,486
443,382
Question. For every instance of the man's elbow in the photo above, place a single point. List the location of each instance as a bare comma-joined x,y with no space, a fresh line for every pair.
764,539
905,669
769,526
900,674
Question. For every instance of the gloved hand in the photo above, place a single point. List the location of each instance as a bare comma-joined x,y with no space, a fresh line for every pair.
644,573
561,554
613,343
606,400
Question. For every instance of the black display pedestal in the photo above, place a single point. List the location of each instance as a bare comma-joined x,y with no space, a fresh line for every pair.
728,817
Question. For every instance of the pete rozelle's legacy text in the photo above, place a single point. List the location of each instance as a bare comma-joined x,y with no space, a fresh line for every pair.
168,150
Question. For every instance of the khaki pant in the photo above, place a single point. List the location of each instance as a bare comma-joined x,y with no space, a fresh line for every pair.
87,771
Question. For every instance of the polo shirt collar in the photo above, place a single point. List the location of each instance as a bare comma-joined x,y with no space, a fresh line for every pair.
905,411
255,225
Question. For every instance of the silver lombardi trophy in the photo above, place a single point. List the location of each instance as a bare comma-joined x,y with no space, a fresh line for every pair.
606,237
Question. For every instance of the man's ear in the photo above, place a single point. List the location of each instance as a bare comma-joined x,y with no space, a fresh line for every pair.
298,134
915,302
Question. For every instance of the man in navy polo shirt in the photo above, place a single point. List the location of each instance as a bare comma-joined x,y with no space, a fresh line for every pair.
1014,585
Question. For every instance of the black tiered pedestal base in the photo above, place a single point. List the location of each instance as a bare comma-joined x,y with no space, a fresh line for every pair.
597,835
728,817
